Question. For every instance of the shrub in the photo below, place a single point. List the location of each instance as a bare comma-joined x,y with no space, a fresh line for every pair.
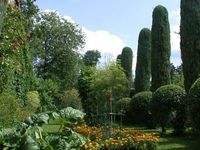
140,108
194,104
33,100
48,91
168,105
70,98
122,107
8,110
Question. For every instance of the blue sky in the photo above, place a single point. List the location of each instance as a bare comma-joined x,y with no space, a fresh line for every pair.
110,25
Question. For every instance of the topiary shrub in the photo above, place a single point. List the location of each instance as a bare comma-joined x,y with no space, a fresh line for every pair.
194,104
140,108
168,104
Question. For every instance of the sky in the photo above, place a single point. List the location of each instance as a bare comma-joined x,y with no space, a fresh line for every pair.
110,25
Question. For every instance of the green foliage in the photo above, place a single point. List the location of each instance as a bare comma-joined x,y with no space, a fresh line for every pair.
122,105
143,66
126,62
8,110
2,13
176,74
194,103
15,59
169,105
160,48
84,89
70,98
190,38
33,100
29,134
107,86
91,57
48,91
56,43
140,108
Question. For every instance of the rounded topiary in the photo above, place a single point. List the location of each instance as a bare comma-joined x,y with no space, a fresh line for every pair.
168,104
140,107
194,103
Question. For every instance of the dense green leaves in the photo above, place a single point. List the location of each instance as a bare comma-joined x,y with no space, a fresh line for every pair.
56,43
126,62
160,48
169,105
143,66
190,39
194,103
91,57
140,108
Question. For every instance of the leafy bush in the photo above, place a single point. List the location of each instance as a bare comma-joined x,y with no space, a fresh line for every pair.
48,91
168,104
8,110
70,98
194,104
122,105
140,108
29,135
122,108
33,100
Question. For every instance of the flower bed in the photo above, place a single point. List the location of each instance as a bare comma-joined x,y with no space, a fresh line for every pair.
117,139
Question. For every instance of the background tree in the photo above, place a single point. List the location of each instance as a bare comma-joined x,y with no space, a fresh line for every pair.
190,41
107,86
56,42
127,61
91,57
176,74
143,65
160,48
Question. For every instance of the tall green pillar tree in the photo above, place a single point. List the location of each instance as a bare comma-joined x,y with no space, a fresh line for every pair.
126,62
160,48
143,65
190,40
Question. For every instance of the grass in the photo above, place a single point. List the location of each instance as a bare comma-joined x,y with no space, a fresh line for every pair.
167,141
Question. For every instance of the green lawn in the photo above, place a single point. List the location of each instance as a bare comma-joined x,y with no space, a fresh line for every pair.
170,142
167,142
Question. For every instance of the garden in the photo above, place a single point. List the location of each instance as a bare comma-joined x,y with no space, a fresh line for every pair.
54,97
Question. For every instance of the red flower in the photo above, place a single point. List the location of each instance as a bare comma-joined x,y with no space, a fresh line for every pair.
21,43
28,36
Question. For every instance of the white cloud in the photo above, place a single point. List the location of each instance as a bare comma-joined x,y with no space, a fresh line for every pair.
103,41
174,17
68,18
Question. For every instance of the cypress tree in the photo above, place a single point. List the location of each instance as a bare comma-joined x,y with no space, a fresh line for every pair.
143,65
160,48
126,62
190,41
